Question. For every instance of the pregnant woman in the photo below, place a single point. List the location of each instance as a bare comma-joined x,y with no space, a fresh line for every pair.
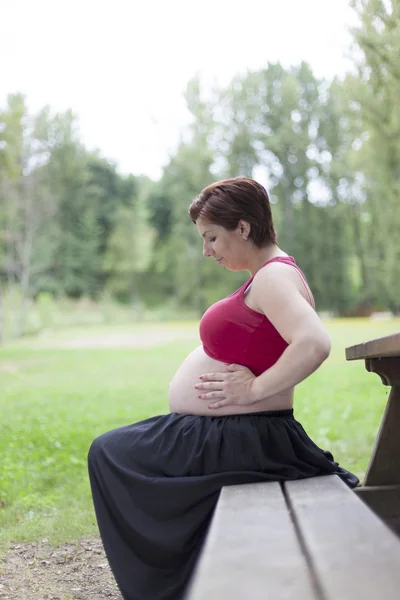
155,483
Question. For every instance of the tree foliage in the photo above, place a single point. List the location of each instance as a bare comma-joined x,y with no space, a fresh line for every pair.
328,152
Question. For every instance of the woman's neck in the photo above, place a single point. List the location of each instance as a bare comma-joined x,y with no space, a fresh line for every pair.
258,259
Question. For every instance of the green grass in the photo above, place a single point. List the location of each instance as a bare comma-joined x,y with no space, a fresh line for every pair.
54,402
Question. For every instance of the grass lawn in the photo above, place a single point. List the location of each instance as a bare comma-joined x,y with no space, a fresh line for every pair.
54,402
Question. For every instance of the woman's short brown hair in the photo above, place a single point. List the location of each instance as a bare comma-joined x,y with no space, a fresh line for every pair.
229,201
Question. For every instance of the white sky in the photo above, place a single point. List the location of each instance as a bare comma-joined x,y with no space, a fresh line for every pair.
122,65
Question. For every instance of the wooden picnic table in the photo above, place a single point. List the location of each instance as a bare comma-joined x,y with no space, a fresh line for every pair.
381,486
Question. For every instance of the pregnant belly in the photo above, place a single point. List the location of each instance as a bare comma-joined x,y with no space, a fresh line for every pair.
183,398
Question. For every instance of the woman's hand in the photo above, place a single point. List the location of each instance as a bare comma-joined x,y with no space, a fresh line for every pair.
232,387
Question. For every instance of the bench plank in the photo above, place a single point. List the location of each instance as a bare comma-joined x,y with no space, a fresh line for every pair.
386,346
355,555
252,550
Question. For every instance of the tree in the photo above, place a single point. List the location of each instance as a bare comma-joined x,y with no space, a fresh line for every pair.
27,207
374,94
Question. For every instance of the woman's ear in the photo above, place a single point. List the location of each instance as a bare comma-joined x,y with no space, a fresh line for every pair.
244,229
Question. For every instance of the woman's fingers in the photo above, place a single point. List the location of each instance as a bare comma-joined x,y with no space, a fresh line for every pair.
211,395
211,385
213,377
219,404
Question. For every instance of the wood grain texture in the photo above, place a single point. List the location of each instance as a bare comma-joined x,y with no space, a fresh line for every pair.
384,500
387,368
384,466
354,554
386,346
252,551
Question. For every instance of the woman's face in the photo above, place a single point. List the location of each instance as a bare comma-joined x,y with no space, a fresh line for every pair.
226,247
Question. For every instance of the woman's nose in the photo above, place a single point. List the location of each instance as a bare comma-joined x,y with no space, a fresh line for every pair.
206,251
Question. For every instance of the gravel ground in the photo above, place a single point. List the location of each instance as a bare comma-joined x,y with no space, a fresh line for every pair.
38,571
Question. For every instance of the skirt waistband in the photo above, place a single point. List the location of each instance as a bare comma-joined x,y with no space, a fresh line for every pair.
281,414
284,414
287,413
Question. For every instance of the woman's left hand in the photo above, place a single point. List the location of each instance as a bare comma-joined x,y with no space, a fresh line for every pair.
235,386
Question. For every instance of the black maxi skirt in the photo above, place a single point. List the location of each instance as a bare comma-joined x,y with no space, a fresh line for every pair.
155,485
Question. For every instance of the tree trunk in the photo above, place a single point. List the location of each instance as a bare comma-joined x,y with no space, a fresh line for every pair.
27,252
3,335
359,250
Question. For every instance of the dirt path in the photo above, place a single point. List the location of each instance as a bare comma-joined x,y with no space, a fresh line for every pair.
143,339
38,571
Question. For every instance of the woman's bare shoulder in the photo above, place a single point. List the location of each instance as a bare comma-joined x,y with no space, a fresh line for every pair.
280,278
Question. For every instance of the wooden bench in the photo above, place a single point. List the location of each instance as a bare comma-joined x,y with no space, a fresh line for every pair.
313,538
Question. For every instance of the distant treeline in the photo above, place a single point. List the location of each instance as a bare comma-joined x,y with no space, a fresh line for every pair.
72,226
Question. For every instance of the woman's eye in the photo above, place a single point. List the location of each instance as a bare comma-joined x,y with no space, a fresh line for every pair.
212,239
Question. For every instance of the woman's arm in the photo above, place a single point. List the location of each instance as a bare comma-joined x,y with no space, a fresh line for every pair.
276,292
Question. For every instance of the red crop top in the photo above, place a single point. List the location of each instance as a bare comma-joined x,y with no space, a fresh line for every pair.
232,332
